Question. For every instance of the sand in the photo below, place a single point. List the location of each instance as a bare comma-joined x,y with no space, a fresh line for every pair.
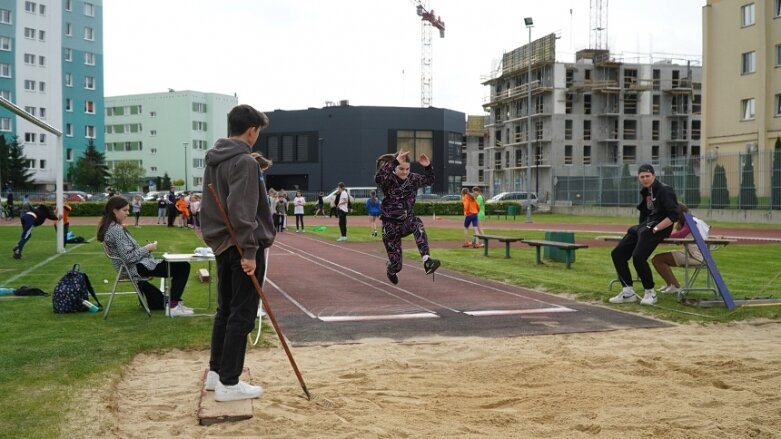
692,381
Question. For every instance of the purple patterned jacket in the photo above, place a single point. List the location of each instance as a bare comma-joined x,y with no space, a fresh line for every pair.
399,195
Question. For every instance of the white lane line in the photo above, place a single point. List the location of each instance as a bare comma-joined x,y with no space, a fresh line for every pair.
420,315
504,312
342,270
477,285
291,299
10,280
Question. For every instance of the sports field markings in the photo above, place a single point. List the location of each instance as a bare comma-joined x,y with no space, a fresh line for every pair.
548,305
359,277
290,298
505,312
41,264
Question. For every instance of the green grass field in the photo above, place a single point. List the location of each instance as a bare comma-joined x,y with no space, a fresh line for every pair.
45,358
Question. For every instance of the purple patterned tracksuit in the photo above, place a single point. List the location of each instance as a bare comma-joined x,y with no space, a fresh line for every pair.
398,218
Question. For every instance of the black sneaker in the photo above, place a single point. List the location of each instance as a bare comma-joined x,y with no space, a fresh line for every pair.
17,253
431,265
393,277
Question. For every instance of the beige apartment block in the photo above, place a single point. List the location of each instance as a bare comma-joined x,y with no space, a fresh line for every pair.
741,86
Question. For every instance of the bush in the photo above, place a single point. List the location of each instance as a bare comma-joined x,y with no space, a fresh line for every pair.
719,194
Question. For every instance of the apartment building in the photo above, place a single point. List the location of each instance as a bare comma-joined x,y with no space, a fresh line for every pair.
166,133
586,118
742,85
51,65
475,139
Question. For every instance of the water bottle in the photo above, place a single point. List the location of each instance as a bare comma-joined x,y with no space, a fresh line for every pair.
90,307
7,291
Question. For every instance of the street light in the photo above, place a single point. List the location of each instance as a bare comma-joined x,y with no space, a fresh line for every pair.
185,166
529,24
320,159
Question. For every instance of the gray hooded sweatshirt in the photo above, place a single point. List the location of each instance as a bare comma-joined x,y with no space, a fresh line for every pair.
240,185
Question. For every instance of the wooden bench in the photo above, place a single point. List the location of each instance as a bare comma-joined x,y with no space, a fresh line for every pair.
568,247
505,239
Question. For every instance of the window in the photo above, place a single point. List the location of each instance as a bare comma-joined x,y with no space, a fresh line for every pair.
68,104
153,168
5,94
69,154
696,124
5,16
5,70
89,33
89,58
586,104
586,154
69,129
42,61
69,55
30,110
43,112
42,9
567,154
778,105
89,131
199,107
29,85
68,5
654,130
568,129
89,107
29,58
42,138
68,80
29,32
747,107
42,87
748,62
153,151
5,44
29,137
630,129
655,153
153,133
68,29
89,9
5,124
586,130
89,82
198,163
199,126
29,7
629,153
42,164
747,15
153,114
42,35
777,9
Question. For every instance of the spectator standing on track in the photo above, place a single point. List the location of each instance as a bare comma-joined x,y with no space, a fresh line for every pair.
162,204
195,210
342,209
658,212
373,209
470,219
240,184
298,210
172,212
399,187
319,205
137,201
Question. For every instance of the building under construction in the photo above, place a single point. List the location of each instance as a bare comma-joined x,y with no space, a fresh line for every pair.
588,118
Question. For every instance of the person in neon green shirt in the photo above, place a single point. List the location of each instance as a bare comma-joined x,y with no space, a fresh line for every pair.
478,194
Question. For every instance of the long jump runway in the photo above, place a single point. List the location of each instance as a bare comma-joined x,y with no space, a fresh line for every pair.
326,292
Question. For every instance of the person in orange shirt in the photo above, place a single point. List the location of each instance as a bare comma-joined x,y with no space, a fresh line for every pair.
66,217
471,209
181,206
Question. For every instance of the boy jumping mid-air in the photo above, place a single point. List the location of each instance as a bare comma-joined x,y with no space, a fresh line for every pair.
400,187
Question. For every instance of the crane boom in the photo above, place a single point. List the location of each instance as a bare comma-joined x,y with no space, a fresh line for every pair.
428,19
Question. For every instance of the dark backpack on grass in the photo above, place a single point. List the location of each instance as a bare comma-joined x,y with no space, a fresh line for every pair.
71,291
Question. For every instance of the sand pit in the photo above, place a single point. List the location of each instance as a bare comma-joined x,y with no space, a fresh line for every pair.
681,382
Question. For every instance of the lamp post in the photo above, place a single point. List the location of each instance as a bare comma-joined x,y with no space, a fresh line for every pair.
320,159
185,166
529,24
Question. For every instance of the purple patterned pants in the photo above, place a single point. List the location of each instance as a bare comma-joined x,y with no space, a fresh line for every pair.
392,232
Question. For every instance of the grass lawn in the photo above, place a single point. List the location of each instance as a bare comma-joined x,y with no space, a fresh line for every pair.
45,358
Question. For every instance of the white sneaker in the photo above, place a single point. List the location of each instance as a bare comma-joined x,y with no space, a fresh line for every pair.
186,308
627,295
670,289
342,238
649,298
179,310
212,378
238,392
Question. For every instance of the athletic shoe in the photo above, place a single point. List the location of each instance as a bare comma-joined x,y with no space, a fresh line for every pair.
238,392
186,308
478,245
393,277
342,238
670,289
467,244
627,295
212,378
179,311
649,298
431,265
17,253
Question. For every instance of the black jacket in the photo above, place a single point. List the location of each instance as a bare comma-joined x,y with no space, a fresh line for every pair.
662,202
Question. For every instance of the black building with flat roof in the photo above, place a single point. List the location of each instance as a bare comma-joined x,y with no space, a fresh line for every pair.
316,148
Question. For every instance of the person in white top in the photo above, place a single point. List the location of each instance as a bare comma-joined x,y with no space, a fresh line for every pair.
298,211
342,208
195,209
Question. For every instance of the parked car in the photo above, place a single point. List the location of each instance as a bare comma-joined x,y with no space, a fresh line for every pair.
513,197
428,197
153,195
359,194
451,197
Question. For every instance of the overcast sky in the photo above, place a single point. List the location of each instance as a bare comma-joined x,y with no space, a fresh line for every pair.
295,54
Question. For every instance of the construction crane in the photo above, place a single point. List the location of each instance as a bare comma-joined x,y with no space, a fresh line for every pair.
598,16
427,20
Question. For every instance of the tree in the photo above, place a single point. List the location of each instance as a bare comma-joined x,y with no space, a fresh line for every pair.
90,172
719,193
127,175
178,182
13,165
748,192
775,179
166,182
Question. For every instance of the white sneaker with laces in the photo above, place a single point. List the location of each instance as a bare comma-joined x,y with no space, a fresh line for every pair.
179,310
238,392
627,295
186,308
212,378
671,289
649,297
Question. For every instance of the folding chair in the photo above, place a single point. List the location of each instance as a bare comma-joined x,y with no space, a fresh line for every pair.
123,275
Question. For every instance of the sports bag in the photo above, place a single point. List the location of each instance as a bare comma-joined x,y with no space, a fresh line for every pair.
71,291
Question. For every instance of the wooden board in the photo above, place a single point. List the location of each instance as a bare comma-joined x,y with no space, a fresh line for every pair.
213,412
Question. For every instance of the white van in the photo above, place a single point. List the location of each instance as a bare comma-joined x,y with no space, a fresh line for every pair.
359,194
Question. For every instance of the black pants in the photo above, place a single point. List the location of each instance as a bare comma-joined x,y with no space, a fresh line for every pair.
300,219
172,214
638,244
237,308
342,222
180,272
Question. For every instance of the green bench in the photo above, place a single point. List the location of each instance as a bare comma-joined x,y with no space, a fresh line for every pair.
568,247
507,240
